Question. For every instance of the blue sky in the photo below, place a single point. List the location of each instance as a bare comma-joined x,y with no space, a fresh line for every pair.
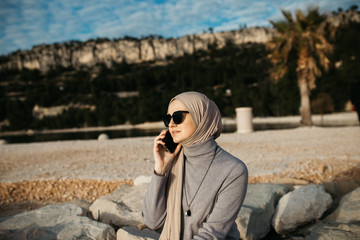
25,23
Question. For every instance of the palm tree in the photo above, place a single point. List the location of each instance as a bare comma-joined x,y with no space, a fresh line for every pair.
303,37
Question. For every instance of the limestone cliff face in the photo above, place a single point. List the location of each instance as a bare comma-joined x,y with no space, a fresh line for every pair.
88,54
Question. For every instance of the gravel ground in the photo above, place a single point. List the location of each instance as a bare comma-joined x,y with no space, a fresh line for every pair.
87,169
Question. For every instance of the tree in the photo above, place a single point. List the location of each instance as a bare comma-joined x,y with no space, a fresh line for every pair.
304,38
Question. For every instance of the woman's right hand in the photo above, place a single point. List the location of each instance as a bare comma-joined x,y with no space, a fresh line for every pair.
162,157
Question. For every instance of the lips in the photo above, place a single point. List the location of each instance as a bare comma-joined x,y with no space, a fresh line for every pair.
174,132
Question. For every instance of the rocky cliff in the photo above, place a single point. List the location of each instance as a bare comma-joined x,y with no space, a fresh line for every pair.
87,54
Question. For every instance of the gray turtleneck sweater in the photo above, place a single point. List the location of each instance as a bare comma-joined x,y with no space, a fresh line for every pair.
217,202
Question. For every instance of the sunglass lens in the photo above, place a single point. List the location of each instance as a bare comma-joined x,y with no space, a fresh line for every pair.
167,119
177,117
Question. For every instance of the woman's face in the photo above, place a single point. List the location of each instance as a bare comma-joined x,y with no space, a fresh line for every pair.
186,128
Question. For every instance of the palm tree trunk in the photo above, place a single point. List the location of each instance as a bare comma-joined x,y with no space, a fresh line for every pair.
305,110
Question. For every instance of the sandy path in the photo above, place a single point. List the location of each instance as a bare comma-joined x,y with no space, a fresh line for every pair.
107,160
313,154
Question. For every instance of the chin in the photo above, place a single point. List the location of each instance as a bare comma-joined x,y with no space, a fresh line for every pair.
176,140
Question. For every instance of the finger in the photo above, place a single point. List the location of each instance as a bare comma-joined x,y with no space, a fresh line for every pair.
159,145
160,142
160,137
162,133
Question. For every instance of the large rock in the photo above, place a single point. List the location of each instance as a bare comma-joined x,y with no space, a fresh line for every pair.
132,233
348,209
338,232
122,207
337,189
62,221
142,180
300,206
259,206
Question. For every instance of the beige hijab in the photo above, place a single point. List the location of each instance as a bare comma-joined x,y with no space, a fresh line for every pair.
207,119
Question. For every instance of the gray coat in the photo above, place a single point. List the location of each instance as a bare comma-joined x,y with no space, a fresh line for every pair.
219,198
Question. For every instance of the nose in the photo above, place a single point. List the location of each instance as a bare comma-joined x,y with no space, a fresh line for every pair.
171,123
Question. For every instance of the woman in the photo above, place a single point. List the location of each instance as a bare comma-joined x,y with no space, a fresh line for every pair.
197,191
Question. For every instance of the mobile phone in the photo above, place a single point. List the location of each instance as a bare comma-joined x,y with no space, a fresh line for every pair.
169,143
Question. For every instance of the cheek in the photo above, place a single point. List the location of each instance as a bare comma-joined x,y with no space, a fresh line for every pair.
190,129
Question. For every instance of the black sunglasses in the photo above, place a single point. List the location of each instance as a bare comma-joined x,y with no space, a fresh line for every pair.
177,117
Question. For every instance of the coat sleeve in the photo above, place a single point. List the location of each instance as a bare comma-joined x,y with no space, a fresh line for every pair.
227,206
154,207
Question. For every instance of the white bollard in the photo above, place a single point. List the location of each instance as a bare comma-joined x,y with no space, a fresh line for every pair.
103,137
244,120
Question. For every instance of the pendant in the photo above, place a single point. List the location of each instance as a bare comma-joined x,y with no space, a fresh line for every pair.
188,213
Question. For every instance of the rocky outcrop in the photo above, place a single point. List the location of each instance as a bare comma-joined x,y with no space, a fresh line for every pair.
343,223
88,54
68,221
343,19
79,55
336,232
299,207
348,210
41,112
64,221
122,207
263,204
258,208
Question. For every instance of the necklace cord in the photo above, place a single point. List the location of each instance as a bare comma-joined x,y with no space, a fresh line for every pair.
207,170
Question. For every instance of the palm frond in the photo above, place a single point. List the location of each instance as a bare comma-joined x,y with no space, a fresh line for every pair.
301,22
288,47
324,61
323,50
314,17
278,72
280,26
287,15
300,16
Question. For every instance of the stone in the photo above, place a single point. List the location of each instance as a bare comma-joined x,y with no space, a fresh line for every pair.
132,233
304,204
122,207
338,232
348,209
290,181
142,180
103,137
60,221
255,215
337,189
